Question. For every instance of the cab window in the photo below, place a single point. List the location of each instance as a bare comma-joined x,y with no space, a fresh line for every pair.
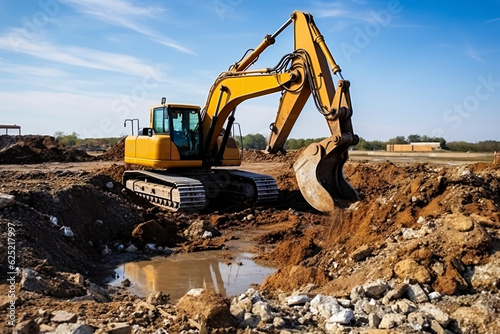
186,131
160,120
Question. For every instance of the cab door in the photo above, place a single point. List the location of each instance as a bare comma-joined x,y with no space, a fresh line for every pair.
186,132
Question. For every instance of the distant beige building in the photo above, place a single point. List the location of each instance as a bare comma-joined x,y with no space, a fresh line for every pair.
413,147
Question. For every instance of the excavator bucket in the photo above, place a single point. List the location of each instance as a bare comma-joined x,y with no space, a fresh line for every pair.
320,175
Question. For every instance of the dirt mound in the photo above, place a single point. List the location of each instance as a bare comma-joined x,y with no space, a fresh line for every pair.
445,219
115,152
88,205
34,149
256,156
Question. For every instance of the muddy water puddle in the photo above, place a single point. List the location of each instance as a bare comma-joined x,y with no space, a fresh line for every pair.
179,273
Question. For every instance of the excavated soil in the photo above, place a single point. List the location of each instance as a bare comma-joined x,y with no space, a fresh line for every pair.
35,149
115,152
432,224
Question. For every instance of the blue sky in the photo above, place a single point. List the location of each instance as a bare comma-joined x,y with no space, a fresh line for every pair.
416,67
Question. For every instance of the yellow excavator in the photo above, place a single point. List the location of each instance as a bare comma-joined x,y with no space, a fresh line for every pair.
188,148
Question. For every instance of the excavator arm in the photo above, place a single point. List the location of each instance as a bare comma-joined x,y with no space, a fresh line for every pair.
307,71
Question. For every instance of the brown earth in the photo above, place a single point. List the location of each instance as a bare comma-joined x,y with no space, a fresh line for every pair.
115,152
35,149
437,225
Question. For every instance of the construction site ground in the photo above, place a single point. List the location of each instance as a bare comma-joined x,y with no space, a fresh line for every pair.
432,223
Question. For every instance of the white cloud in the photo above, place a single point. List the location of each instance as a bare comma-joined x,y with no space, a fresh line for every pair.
36,71
497,19
343,11
124,14
473,53
89,116
17,41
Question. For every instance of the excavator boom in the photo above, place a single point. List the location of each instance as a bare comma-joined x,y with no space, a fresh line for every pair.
319,169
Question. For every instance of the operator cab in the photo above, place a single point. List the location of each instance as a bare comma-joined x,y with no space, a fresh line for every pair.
182,123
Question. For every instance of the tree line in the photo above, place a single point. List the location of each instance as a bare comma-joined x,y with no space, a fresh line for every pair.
73,139
258,142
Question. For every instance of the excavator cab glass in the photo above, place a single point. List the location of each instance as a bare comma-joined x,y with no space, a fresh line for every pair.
160,120
185,131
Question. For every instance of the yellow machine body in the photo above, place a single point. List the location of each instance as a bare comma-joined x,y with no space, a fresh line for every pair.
188,137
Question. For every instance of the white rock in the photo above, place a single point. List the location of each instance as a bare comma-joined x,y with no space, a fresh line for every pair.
375,289
263,310
240,307
54,221
418,320
416,293
278,322
434,295
120,248
332,328
67,232
63,316
251,320
151,247
195,292
207,235
74,329
6,200
324,306
373,320
421,220
131,248
342,316
344,302
404,306
409,233
297,300
441,317
357,293
487,276
29,273
109,185
391,320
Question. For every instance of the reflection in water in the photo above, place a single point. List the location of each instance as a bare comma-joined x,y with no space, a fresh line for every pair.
180,273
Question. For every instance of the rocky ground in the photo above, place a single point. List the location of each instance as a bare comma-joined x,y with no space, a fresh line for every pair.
417,254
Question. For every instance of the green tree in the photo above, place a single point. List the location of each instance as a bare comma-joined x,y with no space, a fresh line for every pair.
398,140
375,145
254,142
415,138
68,140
